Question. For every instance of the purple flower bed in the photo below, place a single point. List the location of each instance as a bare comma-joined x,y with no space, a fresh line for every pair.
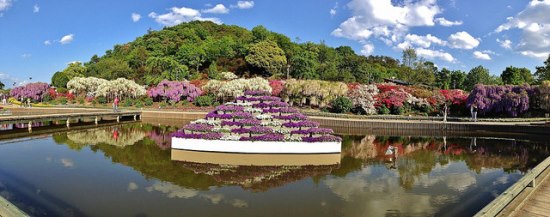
295,116
278,104
240,130
198,127
250,122
247,99
261,105
215,115
260,130
288,110
269,98
229,108
324,138
257,93
242,115
265,137
207,136
301,124
320,131
268,110
230,123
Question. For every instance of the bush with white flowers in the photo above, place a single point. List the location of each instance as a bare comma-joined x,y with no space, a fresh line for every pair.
121,87
236,87
85,86
364,97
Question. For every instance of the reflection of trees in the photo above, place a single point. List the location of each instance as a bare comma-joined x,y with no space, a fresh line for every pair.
121,135
259,178
418,156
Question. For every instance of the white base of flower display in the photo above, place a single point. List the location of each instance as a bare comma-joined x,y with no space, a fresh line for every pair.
256,147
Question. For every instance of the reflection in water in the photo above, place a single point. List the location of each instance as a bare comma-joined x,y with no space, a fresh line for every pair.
375,176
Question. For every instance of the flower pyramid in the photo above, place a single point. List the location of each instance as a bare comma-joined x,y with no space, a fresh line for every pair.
256,116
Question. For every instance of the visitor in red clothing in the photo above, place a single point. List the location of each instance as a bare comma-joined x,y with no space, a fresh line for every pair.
115,104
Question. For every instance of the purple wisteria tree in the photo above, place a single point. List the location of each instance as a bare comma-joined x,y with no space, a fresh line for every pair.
509,100
174,91
35,91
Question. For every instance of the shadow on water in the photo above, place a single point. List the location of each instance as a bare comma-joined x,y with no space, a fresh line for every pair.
379,174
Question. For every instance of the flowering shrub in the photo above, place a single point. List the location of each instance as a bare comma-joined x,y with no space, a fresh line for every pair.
455,97
276,87
509,100
237,87
174,91
85,86
544,97
393,98
35,91
363,96
121,87
228,76
313,92
301,124
229,108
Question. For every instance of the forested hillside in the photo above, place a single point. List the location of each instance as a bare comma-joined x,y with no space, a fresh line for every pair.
201,50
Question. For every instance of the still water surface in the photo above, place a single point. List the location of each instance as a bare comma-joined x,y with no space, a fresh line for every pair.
127,170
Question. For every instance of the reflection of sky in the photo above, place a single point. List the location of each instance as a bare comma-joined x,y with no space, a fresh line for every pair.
376,191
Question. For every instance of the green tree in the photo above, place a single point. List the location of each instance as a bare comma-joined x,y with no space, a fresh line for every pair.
458,79
477,75
165,68
75,69
543,72
2,85
409,57
304,64
260,33
267,56
443,78
192,55
516,76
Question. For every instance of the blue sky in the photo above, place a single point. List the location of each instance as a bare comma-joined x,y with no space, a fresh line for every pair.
38,38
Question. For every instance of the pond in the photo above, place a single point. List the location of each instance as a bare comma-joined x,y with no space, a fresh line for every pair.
127,170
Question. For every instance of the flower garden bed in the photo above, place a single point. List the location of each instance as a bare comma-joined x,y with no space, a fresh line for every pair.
256,123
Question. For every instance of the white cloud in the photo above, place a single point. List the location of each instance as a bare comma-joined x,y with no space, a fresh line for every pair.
333,10
506,44
244,5
423,41
26,55
367,49
180,15
534,23
481,55
35,8
385,20
444,22
47,42
136,17
218,9
67,39
462,40
132,186
435,54
67,162
5,4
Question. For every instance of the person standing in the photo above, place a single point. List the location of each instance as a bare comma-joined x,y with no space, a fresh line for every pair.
474,113
115,104
4,100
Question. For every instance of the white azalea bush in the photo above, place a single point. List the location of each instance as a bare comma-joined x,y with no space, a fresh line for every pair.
85,86
364,97
236,87
122,88
228,76
313,92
